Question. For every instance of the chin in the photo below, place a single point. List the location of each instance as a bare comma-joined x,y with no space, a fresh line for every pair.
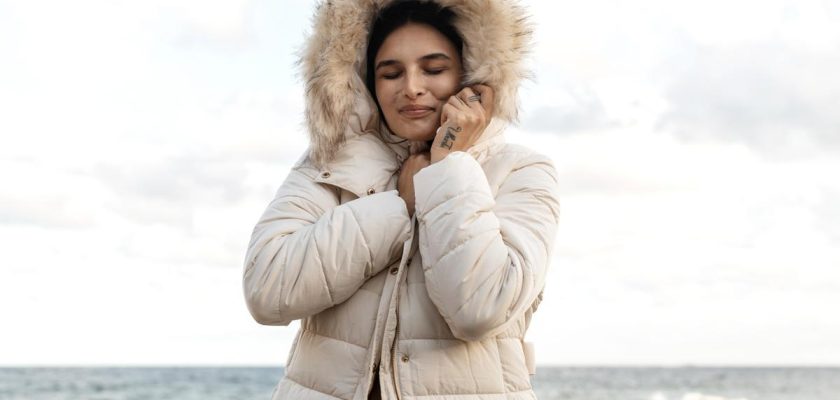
416,133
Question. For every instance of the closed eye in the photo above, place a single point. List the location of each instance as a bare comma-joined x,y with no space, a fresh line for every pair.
430,72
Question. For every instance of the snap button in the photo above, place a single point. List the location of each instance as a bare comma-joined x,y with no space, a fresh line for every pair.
325,174
371,191
405,358
394,270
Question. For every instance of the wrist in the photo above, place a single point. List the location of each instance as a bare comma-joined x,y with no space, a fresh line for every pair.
438,154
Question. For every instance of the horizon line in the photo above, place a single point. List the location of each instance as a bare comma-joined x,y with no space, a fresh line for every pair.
237,365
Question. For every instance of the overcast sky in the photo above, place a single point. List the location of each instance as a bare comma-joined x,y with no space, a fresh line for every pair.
697,145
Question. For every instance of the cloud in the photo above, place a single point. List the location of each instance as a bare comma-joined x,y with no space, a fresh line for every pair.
758,74
48,212
166,191
589,180
214,18
581,111
37,195
177,180
169,191
778,99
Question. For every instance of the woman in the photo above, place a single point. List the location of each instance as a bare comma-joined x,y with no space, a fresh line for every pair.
411,241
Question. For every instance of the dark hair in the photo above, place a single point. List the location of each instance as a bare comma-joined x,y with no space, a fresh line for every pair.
400,13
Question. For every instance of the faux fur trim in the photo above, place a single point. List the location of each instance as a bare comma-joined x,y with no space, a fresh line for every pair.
497,38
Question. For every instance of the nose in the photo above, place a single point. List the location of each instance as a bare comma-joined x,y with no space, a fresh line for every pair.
414,85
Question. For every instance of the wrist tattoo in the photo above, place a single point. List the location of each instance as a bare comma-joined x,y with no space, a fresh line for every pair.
449,137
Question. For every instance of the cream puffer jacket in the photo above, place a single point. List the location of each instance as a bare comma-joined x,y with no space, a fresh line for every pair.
435,306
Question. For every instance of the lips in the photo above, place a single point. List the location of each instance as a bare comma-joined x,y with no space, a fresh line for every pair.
416,111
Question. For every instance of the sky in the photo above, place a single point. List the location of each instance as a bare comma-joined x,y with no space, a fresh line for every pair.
697,145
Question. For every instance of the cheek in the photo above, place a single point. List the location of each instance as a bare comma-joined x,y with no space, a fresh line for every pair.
445,88
383,94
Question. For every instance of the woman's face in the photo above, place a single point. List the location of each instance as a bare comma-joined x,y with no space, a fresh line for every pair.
416,70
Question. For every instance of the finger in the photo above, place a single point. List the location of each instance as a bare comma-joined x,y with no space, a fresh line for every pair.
471,99
469,111
461,113
425,161
465,94
459,99
460,96
447,111
452,111
459,103
417,159
488,96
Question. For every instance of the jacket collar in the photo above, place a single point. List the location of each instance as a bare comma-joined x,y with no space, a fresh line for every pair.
368,162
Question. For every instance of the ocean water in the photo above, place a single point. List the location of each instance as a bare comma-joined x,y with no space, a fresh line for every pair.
550,383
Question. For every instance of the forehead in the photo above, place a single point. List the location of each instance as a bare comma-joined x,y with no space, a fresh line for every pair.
412,41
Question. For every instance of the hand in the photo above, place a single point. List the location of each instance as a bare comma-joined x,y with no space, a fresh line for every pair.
463,121
405,183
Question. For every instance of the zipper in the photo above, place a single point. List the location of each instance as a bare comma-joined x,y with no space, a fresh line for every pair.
394,365
394,353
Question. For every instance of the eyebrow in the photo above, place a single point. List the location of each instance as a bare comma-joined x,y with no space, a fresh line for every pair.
433,56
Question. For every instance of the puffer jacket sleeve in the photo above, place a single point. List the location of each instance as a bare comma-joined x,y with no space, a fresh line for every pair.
308,253
485,258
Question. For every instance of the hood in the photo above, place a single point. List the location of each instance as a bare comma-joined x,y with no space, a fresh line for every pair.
497,37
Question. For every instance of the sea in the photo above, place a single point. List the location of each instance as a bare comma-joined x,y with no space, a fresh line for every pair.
550,383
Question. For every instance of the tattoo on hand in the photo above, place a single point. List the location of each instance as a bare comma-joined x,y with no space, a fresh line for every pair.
449,137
